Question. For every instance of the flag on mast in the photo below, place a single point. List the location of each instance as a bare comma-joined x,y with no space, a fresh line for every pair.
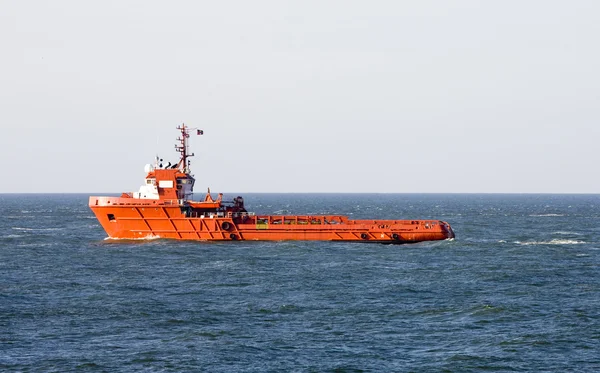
200,132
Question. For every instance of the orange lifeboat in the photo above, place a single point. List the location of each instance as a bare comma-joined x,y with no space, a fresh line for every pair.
163,208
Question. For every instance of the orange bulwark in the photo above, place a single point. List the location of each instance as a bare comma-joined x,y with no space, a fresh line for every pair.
163,209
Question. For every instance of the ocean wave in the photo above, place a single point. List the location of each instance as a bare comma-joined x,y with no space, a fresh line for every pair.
554,241
546,215
568,233
36,244
12,236
38,229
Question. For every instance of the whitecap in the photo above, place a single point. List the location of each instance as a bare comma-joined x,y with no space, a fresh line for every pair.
554,241
546,215
568,233
34,244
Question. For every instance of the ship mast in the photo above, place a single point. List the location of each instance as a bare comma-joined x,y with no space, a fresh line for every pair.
182,148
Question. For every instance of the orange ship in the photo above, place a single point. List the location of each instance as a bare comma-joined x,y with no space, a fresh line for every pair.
163,208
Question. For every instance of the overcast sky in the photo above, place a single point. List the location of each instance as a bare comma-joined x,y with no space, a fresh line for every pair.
302,96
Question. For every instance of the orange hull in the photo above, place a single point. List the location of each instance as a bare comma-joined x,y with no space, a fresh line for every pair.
128,218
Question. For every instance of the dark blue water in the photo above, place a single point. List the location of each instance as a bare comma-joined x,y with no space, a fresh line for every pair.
517,290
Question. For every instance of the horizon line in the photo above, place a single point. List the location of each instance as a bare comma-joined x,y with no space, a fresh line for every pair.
490,193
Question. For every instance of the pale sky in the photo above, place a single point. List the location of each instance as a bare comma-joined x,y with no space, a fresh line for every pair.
303,96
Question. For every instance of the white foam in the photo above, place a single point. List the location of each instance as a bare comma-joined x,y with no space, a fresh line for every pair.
554,241
546,215
146,238
34,245
568,233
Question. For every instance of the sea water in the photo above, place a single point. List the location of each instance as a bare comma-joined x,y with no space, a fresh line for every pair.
517,290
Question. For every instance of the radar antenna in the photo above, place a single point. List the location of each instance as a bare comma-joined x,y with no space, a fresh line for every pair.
183,148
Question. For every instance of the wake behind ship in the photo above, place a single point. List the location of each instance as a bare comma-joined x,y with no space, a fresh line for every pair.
163,208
